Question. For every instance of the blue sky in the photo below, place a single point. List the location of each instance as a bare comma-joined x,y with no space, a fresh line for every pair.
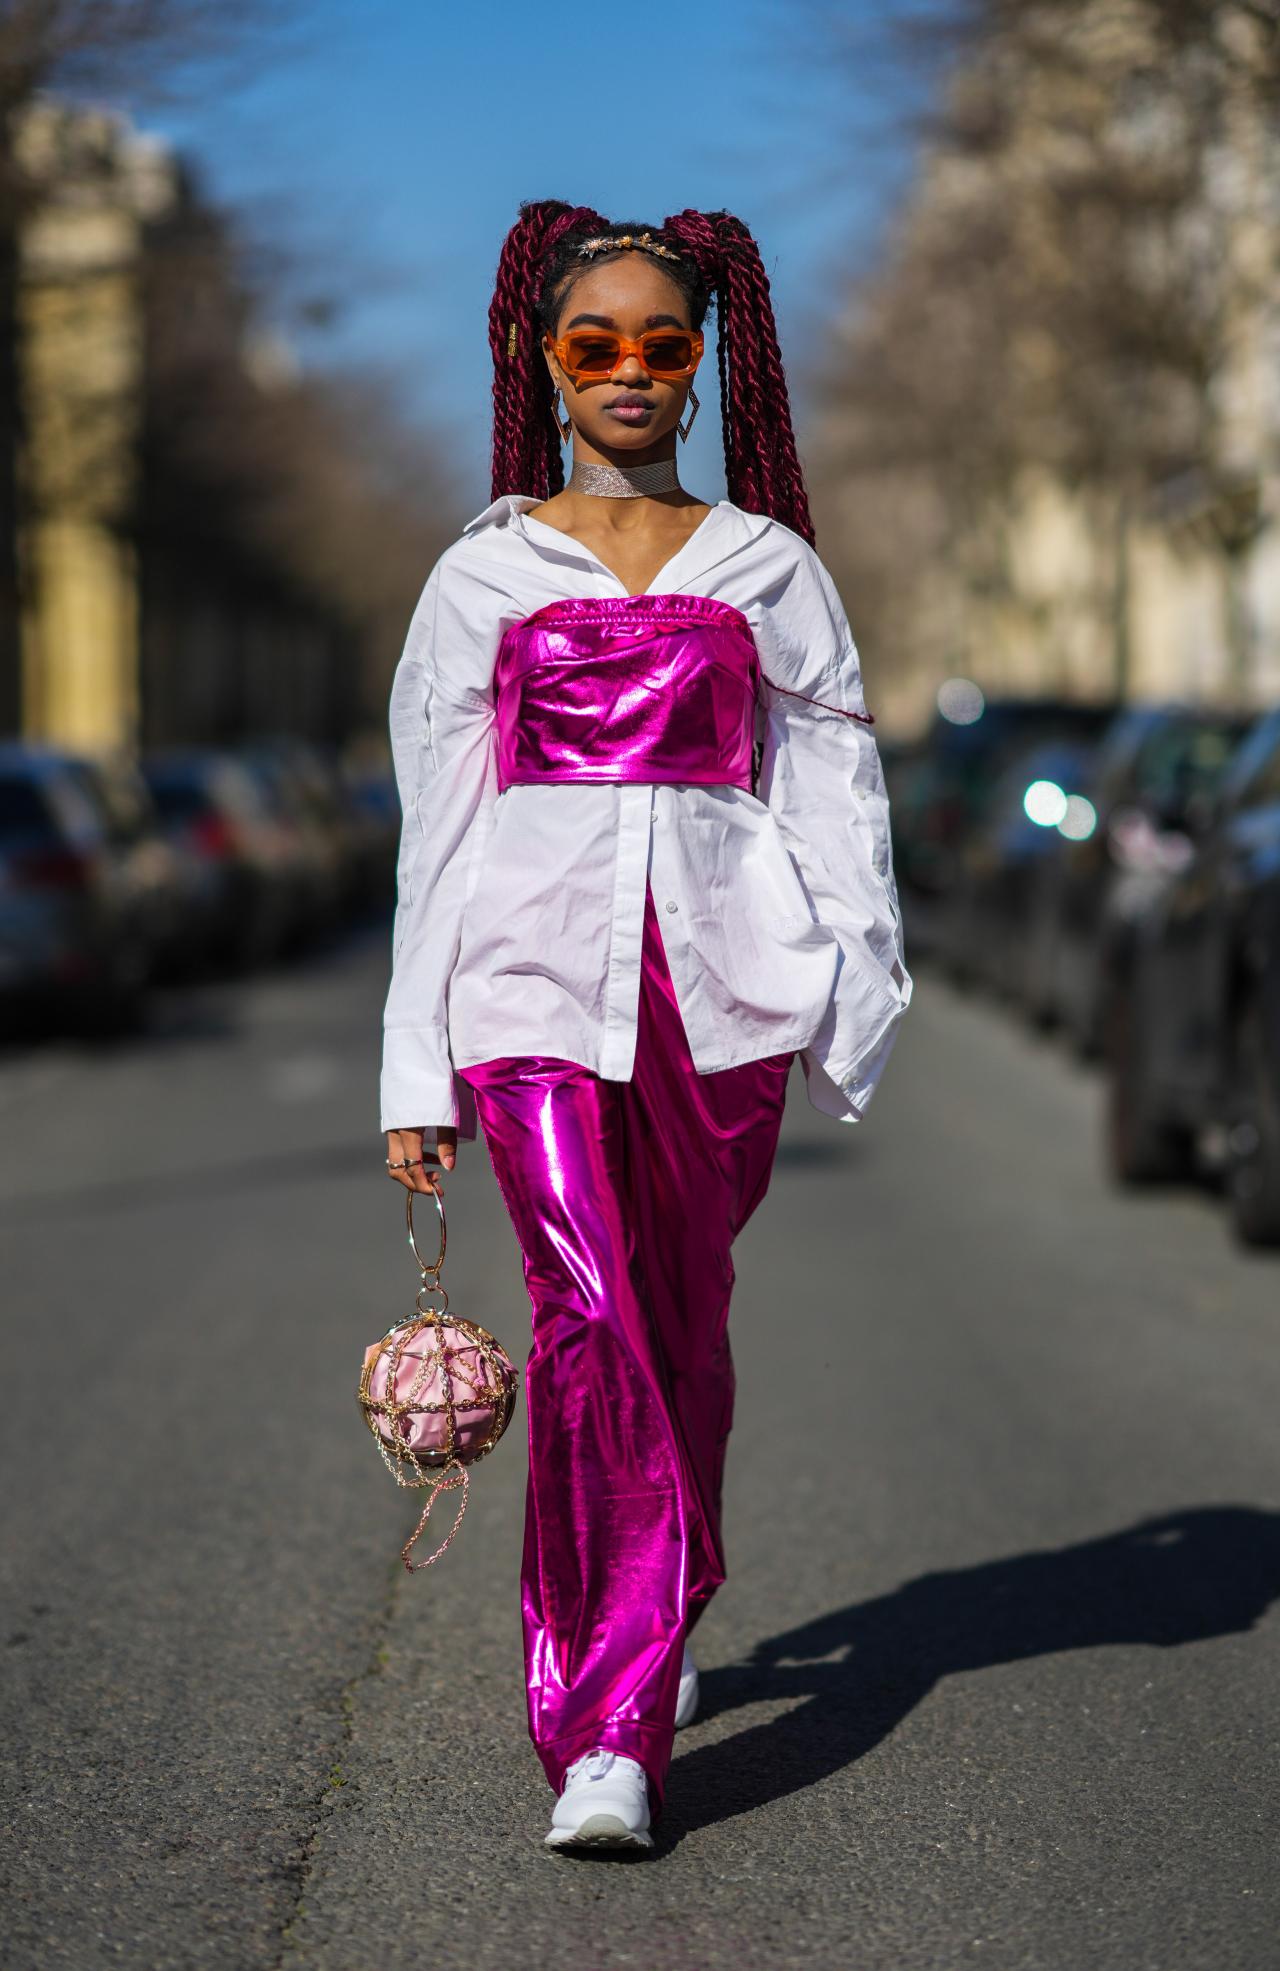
385,147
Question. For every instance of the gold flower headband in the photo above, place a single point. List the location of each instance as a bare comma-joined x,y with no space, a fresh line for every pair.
645,240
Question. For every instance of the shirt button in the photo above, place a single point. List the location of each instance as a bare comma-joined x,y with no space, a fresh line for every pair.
673,906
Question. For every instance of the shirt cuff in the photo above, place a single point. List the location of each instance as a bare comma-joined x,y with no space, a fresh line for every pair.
844,1089
420,1088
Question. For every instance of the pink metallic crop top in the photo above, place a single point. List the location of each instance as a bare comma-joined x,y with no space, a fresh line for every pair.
639,687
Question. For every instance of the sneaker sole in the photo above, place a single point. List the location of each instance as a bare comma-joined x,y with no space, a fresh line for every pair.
599,1831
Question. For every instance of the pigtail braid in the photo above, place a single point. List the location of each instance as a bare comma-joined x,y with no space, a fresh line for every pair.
526,450
762,465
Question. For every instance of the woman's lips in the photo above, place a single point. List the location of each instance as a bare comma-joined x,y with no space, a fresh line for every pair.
630,413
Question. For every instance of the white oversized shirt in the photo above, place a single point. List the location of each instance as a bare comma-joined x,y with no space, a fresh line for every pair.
519,915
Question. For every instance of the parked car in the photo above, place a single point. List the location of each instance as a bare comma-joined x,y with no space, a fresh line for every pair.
339,815
87,888
375,806
1193,1032
1157,768
242,901
146,863
940,788
1001,867
306,812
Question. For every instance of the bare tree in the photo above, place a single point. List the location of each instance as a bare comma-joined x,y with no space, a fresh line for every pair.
1063,286
84,47
314,482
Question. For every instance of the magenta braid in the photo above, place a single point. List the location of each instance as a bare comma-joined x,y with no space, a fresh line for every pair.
762,466
526,450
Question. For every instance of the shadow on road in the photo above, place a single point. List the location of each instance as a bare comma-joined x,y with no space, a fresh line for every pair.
1208,1571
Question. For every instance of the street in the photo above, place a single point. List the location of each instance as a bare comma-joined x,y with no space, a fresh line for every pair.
996,1676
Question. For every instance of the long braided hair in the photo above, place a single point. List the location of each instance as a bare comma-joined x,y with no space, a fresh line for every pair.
718,260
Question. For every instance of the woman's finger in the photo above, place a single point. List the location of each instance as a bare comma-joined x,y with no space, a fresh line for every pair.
408,1143
425,1171
401,1143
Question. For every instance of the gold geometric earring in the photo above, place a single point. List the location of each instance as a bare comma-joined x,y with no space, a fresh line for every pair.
565,429
687,427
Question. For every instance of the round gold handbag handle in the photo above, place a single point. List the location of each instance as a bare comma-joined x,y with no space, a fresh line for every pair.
433,1271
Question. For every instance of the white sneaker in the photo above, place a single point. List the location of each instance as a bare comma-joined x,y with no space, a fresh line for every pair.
604,1803
687,1700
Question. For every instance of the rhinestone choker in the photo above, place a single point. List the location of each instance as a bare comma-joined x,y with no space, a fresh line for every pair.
624,482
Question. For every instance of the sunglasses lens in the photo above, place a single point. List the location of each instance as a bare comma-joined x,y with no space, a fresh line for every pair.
593,353
668,353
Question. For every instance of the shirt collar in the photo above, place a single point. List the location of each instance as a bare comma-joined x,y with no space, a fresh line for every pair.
725,531
498,510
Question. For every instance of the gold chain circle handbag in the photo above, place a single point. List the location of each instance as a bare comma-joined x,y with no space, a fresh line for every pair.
437,1392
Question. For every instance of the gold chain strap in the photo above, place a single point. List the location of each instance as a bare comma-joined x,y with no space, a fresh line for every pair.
407,1466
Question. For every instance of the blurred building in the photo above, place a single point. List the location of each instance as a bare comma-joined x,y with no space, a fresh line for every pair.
1205,565
80,372
1050,457
150,606
1172,588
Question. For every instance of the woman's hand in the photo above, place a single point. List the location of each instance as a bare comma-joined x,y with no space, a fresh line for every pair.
402,1143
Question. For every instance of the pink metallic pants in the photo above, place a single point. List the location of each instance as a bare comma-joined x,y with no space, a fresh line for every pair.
625,1197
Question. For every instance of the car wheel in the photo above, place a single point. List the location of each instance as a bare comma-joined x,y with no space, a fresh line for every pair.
1143,1146
1253,1135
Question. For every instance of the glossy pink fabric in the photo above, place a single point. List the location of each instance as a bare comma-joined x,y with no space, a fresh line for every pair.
637,687
625,1197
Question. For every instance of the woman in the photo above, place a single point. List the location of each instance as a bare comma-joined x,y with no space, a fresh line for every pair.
645,862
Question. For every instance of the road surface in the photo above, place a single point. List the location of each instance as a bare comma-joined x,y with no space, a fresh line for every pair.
996,1677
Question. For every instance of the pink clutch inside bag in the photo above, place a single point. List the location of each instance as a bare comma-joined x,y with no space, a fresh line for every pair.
446,1390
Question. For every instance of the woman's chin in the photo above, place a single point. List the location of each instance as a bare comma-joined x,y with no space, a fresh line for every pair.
625,438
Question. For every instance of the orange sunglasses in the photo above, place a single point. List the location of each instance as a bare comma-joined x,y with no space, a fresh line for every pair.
590,354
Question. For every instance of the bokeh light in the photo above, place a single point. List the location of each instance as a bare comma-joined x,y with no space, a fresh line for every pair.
961,701
1045,803
1080,819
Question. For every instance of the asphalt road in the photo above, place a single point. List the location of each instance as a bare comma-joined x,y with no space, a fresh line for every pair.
996,1677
